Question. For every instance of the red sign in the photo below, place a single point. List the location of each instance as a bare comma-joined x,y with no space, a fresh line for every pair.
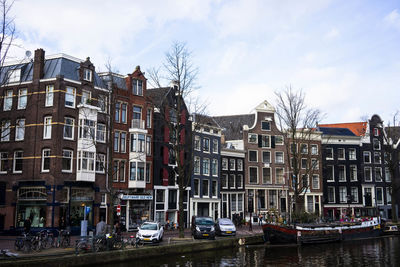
119,208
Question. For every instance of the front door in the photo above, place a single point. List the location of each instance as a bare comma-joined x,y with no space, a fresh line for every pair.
368,197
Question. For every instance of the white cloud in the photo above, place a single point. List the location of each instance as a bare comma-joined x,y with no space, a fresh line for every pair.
332,34
393,19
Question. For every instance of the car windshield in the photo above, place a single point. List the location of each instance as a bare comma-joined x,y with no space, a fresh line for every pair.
204,221
225,222
149,226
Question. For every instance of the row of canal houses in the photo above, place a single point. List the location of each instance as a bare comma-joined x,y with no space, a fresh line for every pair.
56,144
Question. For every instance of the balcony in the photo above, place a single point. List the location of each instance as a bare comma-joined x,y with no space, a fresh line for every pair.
138,126
87,176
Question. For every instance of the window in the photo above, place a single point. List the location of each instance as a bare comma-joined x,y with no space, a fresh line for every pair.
304,163
102,103
49,95
378,174
279,176
101,133
20,130
367,157
353,173
85,99
47,127
352,154
141,143
87,75
314,164
3,162
379,195
123,143
303,148
293,148
342,173
214,188
214,167
388,175
87,129
100,163
315,181
342,194
253,155
197,143
121,171
368,174
314,149
196,165
224,163
117,111
18,157
22,98
278,140
5,130
206,166
124,108
329,153
205,188
266,126
67,160
266,178
240,165
8,99
148,172
377,157
252,138
231,181
14,75
253,175
376,144
330,173
148,118
232,164
331,194
215,146
341,153
265,141
69,128
46,160
310,204
137,87
388,196
70,94
148,145
206,145
116,141
224,181
239,181
354,194
279,157
86,161
132,170
196,187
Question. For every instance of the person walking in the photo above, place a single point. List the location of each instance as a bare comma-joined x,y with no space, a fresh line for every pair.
101,227
260,217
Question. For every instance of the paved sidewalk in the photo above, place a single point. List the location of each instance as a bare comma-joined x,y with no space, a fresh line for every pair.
7,242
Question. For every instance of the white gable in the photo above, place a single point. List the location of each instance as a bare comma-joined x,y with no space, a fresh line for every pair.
265,107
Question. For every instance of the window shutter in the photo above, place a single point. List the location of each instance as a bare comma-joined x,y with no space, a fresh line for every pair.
259,140
272,141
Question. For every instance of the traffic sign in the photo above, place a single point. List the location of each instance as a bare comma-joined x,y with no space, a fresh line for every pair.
119,209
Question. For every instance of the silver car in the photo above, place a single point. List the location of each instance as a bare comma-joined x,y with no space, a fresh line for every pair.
150,232
225,226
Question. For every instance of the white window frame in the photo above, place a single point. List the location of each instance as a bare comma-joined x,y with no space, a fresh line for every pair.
196,168
204,145
315,181
100,164
303,163
352,154
225,164
232,164
380,173
314,166
46,155
69,125
262,141
148,118
5,130
239,164
3,161
376,141
239,177
369,156
8,100
71,153
215,146
331,152
47,127
276,175
197,143
124,113
382,195
261,125
353,172
249,158
198,187
205,191
344,178
283,157
20,129
354,196
334,194
370,174
224,186
305,150
343,157
214,163
49,95
87,75
91,161
22,94
270,175
388,175
314,149
279,143
253,167
206,171
15,161
101,131
252,135
232,177
331,167
116,145
342,200
86,96
122,145
377,155
214,189
70,93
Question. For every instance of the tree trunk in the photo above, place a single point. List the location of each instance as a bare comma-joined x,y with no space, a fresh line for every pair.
181,218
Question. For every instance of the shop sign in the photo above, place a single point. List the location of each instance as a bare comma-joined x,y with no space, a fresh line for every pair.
137,197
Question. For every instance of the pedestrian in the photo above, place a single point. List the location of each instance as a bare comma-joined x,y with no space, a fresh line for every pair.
260,219
250,222
117,228
27,225
101,227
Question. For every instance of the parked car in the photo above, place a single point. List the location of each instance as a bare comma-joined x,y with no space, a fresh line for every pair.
203,227
225,226
391,230
150,232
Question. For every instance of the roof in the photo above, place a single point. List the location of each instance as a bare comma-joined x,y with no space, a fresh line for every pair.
205,120
358,128
157,95
117,79
233,125
336,131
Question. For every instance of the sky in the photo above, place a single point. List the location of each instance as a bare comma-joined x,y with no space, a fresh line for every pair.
344,55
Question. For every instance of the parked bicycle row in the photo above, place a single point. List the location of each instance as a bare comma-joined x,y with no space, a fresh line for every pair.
44,239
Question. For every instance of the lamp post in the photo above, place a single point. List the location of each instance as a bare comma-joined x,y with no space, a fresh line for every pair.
349,198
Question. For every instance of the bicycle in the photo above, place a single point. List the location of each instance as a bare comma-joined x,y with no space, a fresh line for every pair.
46,239
63,239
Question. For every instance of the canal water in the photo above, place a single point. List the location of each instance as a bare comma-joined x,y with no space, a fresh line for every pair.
372,252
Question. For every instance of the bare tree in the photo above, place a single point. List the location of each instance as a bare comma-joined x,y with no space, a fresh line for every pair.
299,122
7,33
179,71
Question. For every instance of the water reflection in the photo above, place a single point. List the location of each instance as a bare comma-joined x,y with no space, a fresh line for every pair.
376,252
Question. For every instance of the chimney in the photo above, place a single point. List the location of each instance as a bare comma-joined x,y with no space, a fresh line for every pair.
38,64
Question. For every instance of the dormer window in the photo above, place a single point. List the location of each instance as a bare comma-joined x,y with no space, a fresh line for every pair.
87,75
137,87
265,126
14,75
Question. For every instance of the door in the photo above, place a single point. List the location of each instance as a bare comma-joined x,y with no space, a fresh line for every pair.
368,197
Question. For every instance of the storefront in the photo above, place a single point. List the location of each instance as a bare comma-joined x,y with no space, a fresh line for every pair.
31,203
135,209
81,198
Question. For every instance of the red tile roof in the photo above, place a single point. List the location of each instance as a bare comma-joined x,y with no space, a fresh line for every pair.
358,128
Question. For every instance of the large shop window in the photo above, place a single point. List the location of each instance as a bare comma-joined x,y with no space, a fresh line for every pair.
32,204
81,198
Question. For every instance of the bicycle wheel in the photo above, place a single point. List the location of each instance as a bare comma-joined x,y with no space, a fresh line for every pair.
36,245
66,242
